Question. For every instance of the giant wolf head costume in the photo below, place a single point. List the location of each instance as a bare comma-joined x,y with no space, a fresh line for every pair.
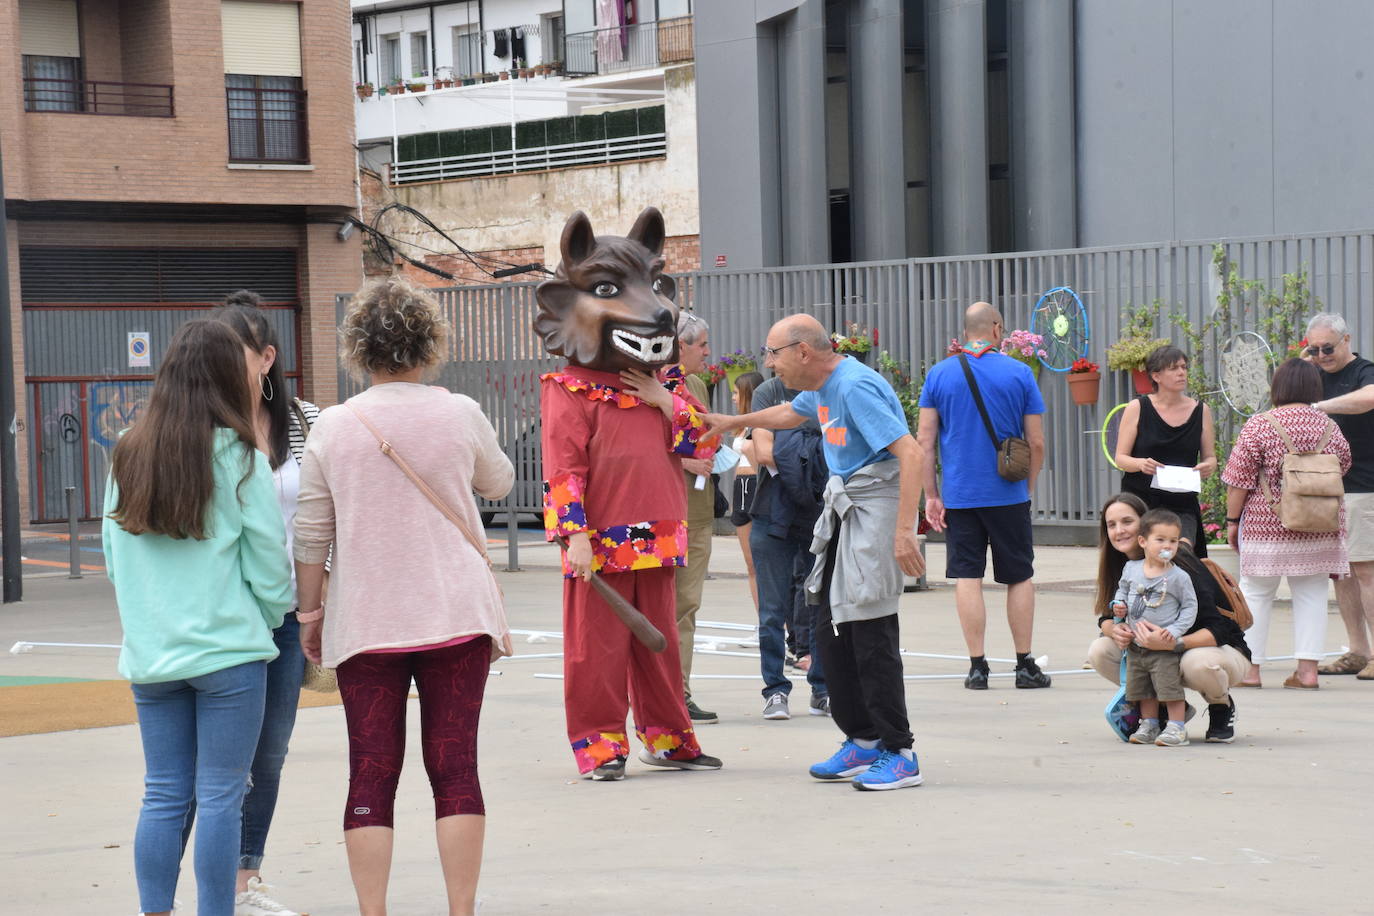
609,306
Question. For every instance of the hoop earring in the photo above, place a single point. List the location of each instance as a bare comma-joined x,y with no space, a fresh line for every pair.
265,385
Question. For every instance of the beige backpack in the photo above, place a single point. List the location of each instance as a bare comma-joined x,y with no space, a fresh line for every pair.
1312,487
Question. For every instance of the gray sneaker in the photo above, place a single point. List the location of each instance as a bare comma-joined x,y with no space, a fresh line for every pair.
775,707
1174,735
1146,733
820,706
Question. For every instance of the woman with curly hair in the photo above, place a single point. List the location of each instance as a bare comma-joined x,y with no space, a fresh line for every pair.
410,595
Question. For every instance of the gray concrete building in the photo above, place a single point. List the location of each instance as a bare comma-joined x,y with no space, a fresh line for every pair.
855,130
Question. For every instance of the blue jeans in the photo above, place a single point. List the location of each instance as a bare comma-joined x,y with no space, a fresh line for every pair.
774,562
198,740
284,674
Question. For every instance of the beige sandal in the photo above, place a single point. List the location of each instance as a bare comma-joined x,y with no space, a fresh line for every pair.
1349,663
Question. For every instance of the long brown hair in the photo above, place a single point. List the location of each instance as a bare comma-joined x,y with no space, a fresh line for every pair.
164,464
744,386
243,312
1111,561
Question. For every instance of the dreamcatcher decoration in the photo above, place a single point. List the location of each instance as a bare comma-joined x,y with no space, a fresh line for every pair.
1247,365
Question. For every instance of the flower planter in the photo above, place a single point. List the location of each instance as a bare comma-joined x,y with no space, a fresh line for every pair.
1143,383
1085,387
365,92
503,74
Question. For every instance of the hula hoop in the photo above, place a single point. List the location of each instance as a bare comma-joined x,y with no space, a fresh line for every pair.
1110,427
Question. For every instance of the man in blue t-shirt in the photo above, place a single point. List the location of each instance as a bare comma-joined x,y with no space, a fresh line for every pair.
875,469
972,503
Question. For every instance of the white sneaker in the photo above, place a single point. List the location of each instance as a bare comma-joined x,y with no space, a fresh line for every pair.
255,902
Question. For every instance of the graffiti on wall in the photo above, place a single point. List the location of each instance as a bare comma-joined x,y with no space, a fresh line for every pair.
114,407
68,451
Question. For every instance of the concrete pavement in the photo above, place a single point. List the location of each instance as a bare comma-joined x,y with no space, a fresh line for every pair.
1030,804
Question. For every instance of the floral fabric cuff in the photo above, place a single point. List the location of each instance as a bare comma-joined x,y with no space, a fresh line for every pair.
564,513
687,429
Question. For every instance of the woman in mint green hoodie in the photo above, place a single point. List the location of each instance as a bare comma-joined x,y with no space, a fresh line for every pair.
196,548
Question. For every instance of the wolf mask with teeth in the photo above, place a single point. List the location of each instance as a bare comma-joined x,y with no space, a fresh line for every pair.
609,305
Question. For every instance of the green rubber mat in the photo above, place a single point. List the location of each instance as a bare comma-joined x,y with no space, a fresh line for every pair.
30,681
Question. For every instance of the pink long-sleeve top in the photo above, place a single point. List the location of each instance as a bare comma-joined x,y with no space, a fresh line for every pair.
402,574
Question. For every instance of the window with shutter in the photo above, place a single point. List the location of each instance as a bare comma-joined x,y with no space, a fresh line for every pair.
50,42
262,79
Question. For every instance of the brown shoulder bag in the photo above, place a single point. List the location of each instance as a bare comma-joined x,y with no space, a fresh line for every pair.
1013,452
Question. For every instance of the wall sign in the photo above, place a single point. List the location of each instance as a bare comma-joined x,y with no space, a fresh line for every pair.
140,350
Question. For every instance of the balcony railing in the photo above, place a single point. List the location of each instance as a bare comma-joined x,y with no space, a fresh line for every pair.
98,97
267,125
532,159
629,47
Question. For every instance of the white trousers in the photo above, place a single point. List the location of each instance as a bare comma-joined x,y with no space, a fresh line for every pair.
1309,613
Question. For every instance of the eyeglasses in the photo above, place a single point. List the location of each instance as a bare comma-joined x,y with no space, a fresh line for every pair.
1324,351
774,351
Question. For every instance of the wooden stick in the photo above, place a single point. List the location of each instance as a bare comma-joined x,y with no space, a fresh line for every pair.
631,616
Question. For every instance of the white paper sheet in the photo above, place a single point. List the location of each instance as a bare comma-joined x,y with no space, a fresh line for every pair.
1174,478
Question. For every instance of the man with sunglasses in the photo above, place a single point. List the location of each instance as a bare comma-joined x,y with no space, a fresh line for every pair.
1348,396
865,539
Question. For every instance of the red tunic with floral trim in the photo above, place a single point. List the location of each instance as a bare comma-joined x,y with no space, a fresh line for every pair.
609,469
1266,547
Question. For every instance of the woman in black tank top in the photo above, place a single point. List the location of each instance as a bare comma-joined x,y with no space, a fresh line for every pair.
1147,440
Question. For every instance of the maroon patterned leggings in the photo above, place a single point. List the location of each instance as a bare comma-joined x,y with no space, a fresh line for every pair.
375,686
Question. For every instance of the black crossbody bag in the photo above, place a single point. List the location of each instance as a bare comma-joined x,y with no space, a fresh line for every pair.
1013,452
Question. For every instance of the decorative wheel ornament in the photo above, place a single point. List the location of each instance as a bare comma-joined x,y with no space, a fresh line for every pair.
1062,321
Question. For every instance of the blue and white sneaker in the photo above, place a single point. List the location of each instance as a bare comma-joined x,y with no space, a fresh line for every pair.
849,760
891,771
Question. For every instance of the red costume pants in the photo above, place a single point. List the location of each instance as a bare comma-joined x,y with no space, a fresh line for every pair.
607,672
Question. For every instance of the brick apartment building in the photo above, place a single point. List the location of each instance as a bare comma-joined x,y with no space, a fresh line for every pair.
157,155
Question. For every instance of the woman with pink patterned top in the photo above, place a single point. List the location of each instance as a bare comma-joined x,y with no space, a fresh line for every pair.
410,597
1269,551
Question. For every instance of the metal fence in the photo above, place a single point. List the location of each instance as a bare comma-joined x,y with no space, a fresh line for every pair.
917,306
638,46
605,151
99,97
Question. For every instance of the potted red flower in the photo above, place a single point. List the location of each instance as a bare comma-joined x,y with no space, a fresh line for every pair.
1085,381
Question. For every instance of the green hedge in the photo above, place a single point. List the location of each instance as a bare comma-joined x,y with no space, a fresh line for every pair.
533,134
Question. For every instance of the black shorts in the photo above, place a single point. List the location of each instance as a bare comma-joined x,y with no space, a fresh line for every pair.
1006,529
742,499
